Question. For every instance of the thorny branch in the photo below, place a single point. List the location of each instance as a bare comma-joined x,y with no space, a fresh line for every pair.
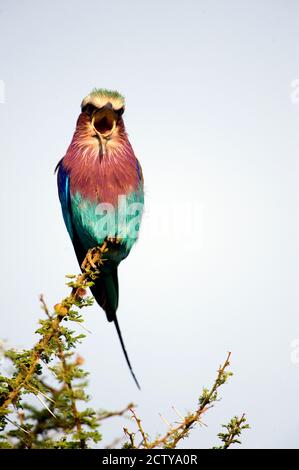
61,312
176,433
109,414
60,414
56,340
234,429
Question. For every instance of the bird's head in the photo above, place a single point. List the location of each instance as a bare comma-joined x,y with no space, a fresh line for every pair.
102,111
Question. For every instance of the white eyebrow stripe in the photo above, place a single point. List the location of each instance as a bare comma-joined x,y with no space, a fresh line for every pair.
101,100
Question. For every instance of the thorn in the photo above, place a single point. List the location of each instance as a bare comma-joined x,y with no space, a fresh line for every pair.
43,394
16,424
178,413
165,421
47,408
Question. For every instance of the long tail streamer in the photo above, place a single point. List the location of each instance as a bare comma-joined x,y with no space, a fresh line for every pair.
125,352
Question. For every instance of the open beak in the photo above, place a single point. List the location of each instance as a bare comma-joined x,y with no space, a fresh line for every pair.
104,121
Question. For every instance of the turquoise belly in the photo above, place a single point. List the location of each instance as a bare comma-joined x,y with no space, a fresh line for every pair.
96,222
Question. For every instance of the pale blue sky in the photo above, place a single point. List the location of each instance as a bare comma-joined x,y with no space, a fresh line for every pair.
210,116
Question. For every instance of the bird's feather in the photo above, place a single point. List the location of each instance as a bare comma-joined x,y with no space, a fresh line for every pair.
63,181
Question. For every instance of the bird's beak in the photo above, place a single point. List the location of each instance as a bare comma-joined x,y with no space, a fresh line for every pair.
104,121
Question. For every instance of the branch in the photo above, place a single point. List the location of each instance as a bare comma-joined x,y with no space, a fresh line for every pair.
234,429
176,433
60,422
109,414
51,327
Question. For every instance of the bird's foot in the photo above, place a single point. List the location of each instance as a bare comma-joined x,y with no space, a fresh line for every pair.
94,258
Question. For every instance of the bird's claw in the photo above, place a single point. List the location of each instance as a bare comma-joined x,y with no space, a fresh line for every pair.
94,258
116,240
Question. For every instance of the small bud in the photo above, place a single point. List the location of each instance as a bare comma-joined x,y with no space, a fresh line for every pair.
79,360
81,292
60,309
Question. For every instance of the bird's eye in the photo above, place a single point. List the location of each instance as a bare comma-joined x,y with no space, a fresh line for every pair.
120,112
88,109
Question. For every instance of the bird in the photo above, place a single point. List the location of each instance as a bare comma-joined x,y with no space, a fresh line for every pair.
101,193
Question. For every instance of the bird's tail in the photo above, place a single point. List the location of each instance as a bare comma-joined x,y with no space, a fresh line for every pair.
105,291
124,350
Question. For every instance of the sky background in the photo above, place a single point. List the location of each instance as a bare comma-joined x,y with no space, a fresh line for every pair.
212,114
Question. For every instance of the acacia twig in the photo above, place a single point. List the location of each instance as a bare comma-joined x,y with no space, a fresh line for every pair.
176,433
234,429
83,280
109,414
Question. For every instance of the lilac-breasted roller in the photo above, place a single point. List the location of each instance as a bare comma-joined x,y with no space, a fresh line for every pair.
100,187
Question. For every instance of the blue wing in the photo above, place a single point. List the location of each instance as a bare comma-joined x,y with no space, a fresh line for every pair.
63,182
